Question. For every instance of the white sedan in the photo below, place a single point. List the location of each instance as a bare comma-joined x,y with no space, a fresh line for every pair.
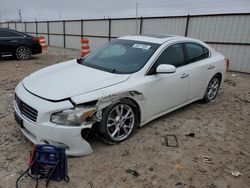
118,87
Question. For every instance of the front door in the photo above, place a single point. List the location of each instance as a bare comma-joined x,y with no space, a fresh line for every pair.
164,91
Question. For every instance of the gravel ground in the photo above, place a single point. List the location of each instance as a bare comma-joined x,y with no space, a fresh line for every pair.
221,128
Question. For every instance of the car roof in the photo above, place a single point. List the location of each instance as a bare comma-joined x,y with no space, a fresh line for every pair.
8,29
159,39
5,28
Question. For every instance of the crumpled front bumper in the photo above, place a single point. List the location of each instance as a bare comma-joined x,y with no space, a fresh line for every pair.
43,131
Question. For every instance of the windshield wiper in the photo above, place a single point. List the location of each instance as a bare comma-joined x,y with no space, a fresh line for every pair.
79,60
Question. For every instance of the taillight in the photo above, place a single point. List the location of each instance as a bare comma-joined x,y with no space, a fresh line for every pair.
35,39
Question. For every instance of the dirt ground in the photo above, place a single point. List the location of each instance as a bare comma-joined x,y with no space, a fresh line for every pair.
222,132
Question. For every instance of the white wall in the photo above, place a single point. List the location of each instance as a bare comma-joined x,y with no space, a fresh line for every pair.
172,26
220,28
73,42
31,27
42,27
238,55
223,29
12,25
56,27
56,40
99,28
4,25
20,27
73,27
124,27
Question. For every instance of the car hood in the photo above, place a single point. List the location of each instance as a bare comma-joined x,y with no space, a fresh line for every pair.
68,79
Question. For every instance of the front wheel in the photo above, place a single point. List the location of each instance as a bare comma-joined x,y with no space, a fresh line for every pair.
212,89
119,122
23,53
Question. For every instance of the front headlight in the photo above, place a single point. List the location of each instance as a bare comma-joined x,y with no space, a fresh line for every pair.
72,117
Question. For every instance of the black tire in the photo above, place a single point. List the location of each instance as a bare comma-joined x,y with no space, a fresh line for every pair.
212,89
23,53
105,129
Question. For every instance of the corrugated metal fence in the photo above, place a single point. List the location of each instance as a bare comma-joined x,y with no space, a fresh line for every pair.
227,33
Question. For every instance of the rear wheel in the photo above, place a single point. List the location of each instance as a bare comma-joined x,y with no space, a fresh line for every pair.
119,122
212,89
23,53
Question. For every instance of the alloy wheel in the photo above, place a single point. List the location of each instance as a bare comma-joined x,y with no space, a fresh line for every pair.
213,88
120,122
23,53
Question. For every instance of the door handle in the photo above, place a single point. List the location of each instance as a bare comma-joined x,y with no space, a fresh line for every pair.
211,67
13,41
184,75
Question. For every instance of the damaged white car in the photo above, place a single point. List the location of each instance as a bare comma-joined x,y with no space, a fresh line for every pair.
122,85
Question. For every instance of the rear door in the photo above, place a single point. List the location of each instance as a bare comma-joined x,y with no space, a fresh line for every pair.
200,69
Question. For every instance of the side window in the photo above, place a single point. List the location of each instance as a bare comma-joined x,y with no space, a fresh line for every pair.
196,52
3,33
6,33
173,55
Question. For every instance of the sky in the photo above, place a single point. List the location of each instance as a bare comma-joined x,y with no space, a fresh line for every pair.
87,9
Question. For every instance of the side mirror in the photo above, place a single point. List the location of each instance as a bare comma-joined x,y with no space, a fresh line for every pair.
165,68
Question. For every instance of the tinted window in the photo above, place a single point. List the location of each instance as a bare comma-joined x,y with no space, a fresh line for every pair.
173,55
121,56
6,33
196,52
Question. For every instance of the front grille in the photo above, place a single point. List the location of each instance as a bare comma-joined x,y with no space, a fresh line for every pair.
26,110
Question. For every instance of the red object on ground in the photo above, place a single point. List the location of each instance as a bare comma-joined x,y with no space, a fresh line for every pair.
32,155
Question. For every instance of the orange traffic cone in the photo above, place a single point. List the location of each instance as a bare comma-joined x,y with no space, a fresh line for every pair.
85,46
42,41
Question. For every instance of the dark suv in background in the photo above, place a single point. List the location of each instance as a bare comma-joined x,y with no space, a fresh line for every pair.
17,44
